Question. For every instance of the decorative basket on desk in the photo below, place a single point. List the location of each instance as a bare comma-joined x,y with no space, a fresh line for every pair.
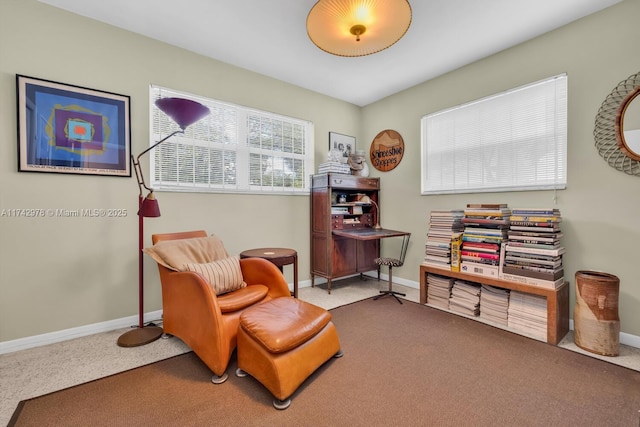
595,316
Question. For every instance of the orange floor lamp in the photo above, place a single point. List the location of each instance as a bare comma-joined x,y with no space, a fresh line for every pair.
184,112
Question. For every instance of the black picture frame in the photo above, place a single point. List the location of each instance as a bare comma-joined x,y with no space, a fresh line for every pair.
70,129
344,143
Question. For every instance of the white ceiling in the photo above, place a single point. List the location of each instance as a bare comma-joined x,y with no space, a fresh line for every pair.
270,38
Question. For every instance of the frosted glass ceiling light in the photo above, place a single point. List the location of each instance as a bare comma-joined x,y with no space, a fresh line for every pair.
357,27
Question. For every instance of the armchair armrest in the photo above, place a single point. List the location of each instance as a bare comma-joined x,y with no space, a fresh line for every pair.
259,271
191,312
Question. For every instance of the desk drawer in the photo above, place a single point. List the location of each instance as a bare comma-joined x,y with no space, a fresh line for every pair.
339,222
354,182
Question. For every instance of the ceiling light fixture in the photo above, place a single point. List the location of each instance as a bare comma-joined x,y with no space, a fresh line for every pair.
376,25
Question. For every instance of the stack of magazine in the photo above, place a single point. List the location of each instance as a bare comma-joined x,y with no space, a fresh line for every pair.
485,229
494,304
335,167
533,254
465,298
439,290
443,225
528,314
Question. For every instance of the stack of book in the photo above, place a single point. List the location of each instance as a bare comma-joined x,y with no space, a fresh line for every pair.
532,254
485,229
528,314
443,226
439,290
465,298
335,167
494,304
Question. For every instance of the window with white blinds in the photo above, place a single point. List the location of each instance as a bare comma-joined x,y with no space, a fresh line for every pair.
511,141
234,149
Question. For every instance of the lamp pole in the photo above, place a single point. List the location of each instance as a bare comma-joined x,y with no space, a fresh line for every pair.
184,112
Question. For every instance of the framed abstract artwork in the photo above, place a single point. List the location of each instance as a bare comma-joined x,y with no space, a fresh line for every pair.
71,129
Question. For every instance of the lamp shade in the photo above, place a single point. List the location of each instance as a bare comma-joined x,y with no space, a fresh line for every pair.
184,112
357,27
149,207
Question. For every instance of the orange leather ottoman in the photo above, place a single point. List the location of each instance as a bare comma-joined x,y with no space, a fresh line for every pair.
283,341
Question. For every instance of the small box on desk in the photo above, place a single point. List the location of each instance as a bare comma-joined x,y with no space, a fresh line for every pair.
480,269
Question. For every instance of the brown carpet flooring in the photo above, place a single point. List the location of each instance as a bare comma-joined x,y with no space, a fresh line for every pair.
403,365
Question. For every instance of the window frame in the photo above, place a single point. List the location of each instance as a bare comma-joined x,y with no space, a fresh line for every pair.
202,150
470,142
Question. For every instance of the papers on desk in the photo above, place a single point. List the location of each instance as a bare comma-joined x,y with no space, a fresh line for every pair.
368,233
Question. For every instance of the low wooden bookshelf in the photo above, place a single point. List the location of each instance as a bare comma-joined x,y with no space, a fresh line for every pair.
557,299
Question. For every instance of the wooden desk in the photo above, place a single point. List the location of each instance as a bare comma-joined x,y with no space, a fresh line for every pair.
373,234
279,257
369,233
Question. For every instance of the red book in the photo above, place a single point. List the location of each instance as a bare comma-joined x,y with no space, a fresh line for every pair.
484,247
480,255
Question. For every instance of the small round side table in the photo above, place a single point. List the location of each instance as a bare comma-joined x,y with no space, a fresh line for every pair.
279,257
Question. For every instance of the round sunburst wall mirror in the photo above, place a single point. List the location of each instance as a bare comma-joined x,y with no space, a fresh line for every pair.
617,129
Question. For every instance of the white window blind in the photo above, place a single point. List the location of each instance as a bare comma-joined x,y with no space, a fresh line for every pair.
233,149
512,141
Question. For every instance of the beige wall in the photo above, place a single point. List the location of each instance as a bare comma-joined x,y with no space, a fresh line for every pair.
600,205
59,273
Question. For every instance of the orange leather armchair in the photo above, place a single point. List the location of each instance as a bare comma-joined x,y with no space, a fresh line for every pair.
206,322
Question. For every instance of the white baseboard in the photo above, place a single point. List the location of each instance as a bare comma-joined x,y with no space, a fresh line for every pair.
69,334
398,280
630,340
626,339
95,328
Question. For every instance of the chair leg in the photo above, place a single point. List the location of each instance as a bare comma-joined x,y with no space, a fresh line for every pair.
219,379
390,291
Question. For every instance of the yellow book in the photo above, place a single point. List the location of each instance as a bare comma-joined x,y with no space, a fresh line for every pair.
456,243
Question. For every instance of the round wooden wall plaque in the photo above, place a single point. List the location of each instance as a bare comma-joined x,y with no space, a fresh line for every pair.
386,151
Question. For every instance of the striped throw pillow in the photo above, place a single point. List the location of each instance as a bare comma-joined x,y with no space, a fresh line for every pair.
223,275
